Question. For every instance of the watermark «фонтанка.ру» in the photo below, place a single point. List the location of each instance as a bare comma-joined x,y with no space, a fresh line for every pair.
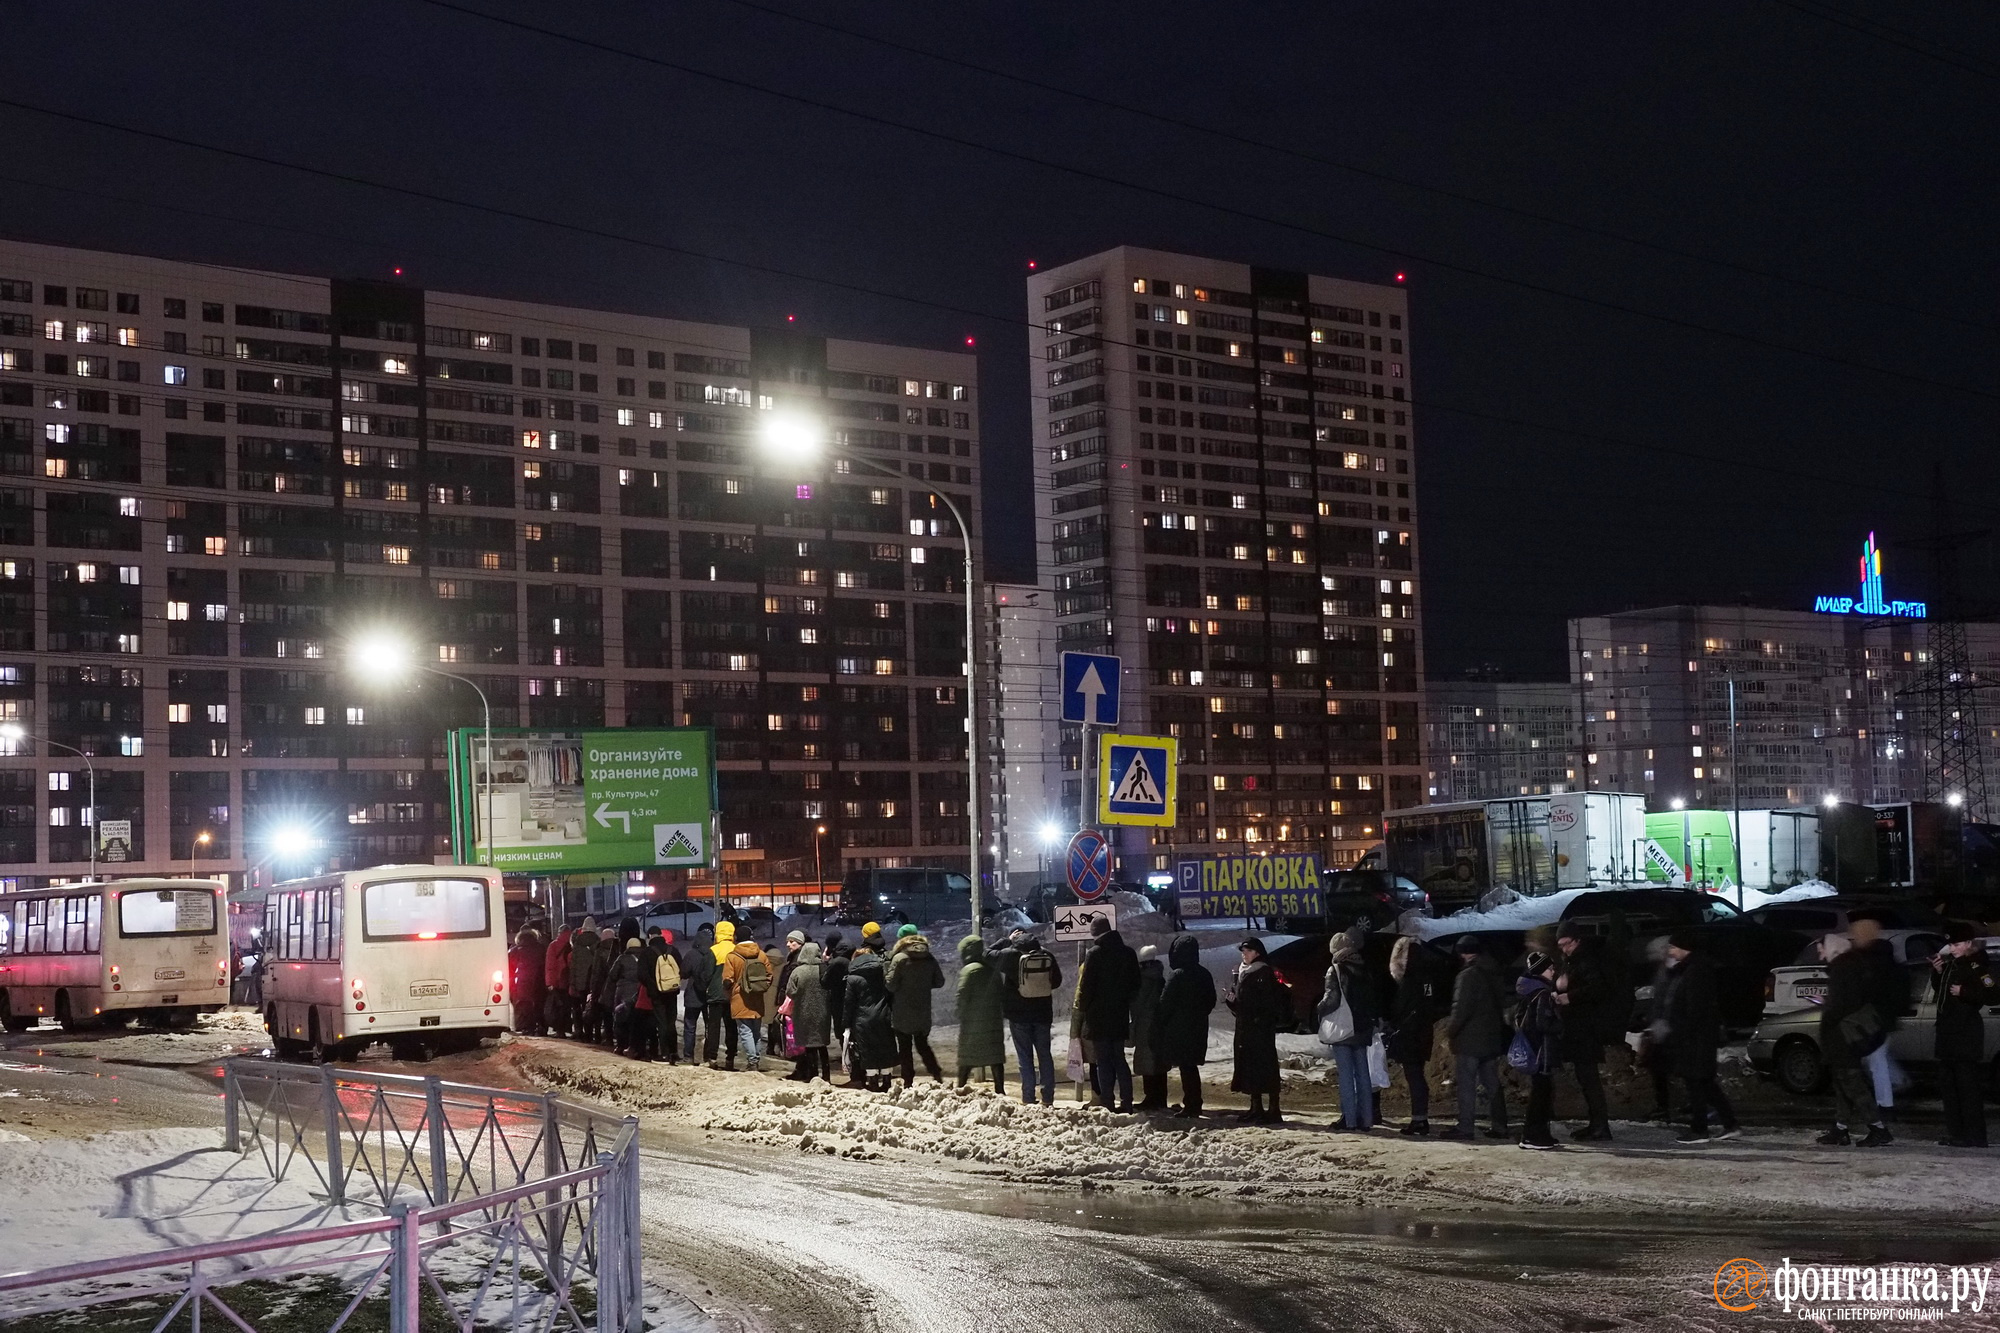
1854,1292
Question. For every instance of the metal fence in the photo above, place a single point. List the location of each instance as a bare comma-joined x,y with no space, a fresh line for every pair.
502,1210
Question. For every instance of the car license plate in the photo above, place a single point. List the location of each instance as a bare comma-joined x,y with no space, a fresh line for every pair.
424,989
170,999
168,974
1809,990
431,1021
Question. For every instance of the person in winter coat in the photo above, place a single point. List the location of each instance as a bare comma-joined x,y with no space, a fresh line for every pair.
834,956
526,962
1029,975
625,981
1477,1029
1152,1075
1855,1020
1653,1053
1419,1003
1348,982
1110,981
719,1033
587,965
911,974
812,1026
1592,1013
1180,1020
1540,1029
1694,1031
750,978
1962,986
869,1009
666,986
698,969
1259,1002
774,1034
555,983
980,1015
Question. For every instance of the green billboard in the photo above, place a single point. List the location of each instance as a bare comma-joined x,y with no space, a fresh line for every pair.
564,801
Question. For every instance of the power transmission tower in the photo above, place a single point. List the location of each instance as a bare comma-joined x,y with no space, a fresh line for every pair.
1947,688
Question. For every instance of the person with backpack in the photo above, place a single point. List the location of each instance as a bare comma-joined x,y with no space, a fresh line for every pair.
805,1004
1146,1066
1180,1020
749,976
869,1008
1537,1048
1348,1017
1260,1003
911,974
980,1015
1110,981
1415,969
666,985
1477,1028
1029,976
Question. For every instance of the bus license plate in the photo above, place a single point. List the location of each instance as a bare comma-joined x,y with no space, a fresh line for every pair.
170,999
431,1021
168,974
423,989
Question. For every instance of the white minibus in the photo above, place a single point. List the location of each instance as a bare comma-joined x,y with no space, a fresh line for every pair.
102,954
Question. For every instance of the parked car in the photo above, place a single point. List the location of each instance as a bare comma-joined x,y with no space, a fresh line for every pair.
1800,923
1786,1046
683,918
912,896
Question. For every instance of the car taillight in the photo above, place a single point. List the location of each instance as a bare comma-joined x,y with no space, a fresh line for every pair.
1770,987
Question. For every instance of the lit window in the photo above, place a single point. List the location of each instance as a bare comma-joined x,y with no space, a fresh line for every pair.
1139,286
58,814
58,782
56,432
357,716
657,420
396,555
808,635
177,610
215,545
128,337
1180,316
804,491
128,507
174,374
179,712
129,574
315,717
218,712
885,666
627,417
131,746
395,365
739,662
916,555
732,485
55,467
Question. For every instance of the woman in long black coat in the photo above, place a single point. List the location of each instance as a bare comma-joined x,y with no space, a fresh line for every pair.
1261,1009
1180,1021
872,1039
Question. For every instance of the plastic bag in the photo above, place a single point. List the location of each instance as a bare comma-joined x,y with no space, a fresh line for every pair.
1378,1063
793,1050
1078,1061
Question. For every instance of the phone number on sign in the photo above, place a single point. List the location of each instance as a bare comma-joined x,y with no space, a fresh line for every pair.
1252,904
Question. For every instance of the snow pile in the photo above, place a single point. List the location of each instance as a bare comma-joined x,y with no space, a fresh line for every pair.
1753,899
1500,910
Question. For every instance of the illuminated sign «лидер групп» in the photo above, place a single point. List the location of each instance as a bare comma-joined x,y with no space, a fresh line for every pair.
1871,601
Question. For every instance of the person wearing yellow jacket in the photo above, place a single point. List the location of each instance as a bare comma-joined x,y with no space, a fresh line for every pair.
716,1001
751,978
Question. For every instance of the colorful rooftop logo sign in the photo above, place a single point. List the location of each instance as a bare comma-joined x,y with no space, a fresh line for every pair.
1871,602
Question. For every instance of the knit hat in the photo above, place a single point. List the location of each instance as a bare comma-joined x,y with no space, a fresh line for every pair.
1148,953
1468,944
590,923
635,943
905,930
1539,962
1100,926
872,931
796,937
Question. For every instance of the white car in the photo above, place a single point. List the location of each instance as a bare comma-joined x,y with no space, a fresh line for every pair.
1804,982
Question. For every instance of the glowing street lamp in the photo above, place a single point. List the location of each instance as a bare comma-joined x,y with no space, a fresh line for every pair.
201,839
13,731
383,658
291,842
798,439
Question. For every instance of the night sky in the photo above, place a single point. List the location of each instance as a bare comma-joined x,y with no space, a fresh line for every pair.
1602,423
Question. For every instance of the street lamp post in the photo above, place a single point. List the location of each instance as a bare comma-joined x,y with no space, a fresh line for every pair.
14,732
798,438
384,657
201,839
819,871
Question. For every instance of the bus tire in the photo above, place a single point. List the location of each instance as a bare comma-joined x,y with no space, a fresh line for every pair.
319,1050
283,1047
12,1021
177,1019
67,1016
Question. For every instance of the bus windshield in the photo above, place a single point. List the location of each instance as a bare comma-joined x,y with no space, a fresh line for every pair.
425,909
166,912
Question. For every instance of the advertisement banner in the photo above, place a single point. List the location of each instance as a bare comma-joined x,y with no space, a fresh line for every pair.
1240,886
566,801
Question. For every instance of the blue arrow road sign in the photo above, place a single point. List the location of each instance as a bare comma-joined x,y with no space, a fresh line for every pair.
1088,865
1090,689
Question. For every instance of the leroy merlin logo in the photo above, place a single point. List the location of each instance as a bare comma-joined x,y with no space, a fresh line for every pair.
678,845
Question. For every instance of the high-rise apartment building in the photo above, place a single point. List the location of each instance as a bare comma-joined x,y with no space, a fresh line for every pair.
211,477
1826,705
1484,739
1225,494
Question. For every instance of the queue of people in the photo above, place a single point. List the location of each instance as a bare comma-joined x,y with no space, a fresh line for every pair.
1136,1019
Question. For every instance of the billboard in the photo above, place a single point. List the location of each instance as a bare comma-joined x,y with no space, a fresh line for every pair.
567,801
1240,886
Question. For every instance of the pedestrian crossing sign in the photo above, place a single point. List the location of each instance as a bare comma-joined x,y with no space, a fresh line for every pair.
1137,778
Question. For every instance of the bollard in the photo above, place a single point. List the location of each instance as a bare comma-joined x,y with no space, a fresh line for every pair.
232,1110
336,1176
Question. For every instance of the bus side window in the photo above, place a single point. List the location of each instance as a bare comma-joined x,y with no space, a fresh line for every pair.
93,923
10,929
37,935
325,936
74,937
270,940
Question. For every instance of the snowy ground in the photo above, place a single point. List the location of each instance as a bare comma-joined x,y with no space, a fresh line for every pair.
1768,1173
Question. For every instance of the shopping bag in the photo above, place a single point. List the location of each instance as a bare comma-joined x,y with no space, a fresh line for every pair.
793,1050
1378,1063
1077,1061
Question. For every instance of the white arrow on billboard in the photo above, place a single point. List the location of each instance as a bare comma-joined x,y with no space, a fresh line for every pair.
605,814
1091,686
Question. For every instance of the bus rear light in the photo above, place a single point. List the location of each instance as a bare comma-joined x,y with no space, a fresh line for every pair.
427,934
